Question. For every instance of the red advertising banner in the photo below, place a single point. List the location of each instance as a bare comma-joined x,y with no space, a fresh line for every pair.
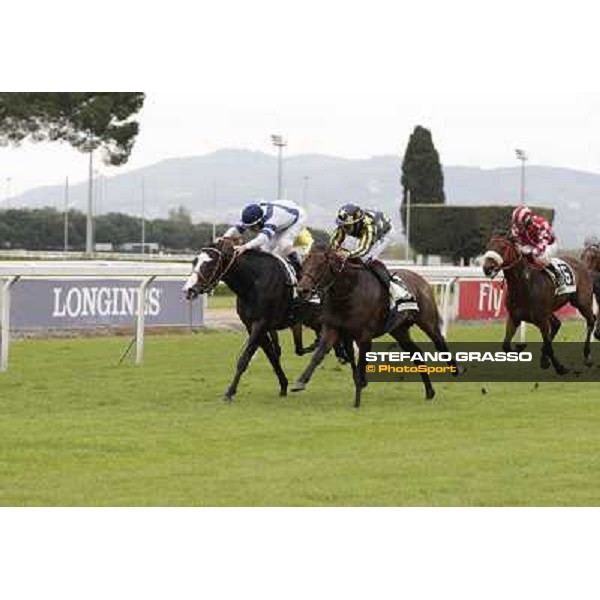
482,299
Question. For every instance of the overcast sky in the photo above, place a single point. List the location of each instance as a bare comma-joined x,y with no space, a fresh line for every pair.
349,79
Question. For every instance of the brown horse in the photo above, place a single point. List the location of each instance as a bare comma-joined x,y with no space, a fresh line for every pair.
591,259
356,308
531,297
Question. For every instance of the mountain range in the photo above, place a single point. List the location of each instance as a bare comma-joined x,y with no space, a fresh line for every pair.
215,187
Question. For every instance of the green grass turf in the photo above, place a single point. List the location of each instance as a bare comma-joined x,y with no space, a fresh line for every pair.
76,429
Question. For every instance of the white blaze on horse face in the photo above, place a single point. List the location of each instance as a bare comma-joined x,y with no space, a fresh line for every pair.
193,279
493,256
202,258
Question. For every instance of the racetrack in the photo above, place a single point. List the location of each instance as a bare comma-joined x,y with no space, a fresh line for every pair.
77,429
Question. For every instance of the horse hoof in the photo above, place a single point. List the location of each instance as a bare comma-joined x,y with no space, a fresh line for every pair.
545,364
597,334
460,370
299,386
430,394
283,393
561,370
227,397
520,347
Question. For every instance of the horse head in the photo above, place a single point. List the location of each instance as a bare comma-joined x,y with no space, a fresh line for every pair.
501,253
591,255
320,269
212,262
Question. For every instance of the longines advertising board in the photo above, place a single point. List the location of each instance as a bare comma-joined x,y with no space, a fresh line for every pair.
75,303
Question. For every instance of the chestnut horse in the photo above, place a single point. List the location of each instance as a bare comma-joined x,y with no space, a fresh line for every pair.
591,259
356,308
531,296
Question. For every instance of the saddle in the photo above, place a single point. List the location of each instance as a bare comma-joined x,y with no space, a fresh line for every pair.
406,297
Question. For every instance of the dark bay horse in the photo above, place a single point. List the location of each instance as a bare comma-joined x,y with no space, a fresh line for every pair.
531,297
591,259
264,301
355,308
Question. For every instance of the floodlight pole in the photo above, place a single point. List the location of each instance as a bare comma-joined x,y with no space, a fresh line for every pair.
407,252
280,143
89,224
522,156
66,217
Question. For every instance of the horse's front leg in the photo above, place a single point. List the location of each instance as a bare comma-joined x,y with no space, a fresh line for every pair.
257,331
328,339
360,380
273,353
546,330
511,328
597,294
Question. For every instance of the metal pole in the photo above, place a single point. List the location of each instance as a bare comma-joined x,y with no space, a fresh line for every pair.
214,221
143,217
66,219
407,257
5,322
89,228
522,156
523,181
280,174
8,180
306,179
141,319
279,143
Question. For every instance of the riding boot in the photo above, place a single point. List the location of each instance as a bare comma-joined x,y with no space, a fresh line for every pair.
380,271
294,260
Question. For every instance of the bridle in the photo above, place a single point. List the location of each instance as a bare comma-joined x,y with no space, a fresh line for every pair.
593,252
507,245
209,283
329,265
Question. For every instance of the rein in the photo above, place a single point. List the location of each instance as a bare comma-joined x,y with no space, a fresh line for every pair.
211,282
507,244
330,265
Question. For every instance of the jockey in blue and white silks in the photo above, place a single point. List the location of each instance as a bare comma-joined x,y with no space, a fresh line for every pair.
277,225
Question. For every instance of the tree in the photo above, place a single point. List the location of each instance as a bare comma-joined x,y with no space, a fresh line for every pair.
422,173
86,120
181,214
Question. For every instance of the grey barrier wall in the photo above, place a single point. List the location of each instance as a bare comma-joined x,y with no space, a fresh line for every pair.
81,303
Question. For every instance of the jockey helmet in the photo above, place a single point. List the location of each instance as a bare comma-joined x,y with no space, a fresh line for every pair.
349,214
521,217
252,215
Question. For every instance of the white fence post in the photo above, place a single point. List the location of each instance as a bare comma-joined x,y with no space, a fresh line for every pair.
5,330
141,319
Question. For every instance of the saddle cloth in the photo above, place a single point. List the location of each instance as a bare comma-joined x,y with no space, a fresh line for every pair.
291,279
290,273
569,286
408,301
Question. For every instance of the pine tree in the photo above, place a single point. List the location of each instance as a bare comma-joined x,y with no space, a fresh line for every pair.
86,120
422,173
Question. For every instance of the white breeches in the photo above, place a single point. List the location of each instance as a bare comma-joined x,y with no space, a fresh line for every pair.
283,243
550,252
380,245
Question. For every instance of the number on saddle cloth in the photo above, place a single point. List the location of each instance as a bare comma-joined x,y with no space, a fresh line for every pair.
567,284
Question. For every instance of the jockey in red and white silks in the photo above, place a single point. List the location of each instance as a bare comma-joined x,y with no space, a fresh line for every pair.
534,235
